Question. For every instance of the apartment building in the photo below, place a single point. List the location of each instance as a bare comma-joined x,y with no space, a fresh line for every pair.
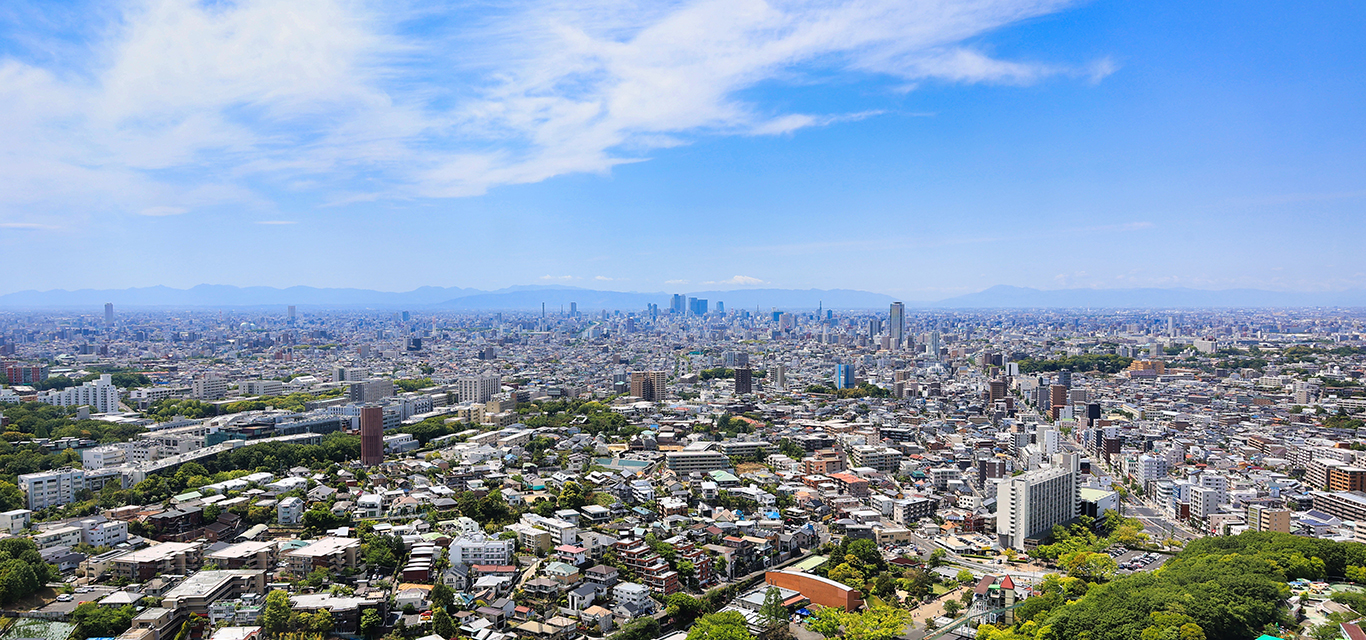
178,558
1028,505
689,461
245,555
329,552
51,488
884,459
480,549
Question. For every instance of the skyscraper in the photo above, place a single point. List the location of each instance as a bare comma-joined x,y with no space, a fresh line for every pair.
109,313
779,373
292,314
371,435
844,376
896,324
676,305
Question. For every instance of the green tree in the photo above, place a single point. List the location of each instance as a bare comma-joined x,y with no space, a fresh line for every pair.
826,621
937,557
370,622
441,595
952,607
275,616
877,623
322,622
442,624
94,621
772,613
643,628
725,625
683,609
847,574
965,577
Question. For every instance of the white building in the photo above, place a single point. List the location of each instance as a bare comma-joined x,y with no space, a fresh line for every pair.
15,521
102,532
209,387
263,387
100,395
480,549
290,511
1028,505
104,457
51,488
478,388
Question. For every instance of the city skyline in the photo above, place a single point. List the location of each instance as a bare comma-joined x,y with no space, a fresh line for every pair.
922,151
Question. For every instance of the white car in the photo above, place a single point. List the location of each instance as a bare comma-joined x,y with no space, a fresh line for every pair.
65,597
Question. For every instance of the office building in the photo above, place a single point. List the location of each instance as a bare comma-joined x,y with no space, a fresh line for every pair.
743,380
209,387
676,304
372,390
1028,505
371,435
896,324
351,374
100,395
51,488
778,374
109,313
650,386
263,387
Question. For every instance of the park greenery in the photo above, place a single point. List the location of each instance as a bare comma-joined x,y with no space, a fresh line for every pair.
1217,587
863,390
1104,363
22,570
164,410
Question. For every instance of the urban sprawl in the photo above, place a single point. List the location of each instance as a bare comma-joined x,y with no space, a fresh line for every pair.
683,471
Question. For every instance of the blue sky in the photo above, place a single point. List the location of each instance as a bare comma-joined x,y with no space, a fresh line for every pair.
918,149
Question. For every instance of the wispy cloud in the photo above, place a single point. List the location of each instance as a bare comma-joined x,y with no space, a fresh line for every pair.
675,282
738,280
605,278
558,278
33,226
277,222
163,211
210,103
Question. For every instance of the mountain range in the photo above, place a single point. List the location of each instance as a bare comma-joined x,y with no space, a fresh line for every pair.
555,297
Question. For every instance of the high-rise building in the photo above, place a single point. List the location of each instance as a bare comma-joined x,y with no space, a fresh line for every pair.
844,376
779,374
743,380
478,388
371,435
896,324
676,305
1266,518
1028,505
697,306
109,313
574,309
292,315
933,347
650,386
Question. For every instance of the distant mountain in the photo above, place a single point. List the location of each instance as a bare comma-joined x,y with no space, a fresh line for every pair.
210,295
530,298
588,299
1003,297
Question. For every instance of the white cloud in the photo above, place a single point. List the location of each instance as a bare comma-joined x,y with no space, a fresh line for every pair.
277,222
209,103
738,280
163,211
560,278
604,278
675,282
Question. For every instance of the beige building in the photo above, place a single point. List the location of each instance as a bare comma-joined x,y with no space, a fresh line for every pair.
330,552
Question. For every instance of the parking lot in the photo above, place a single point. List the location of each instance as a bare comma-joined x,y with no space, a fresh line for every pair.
1132,561
90,594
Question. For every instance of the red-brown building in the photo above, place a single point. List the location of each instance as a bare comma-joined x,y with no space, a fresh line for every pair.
371,436
821,591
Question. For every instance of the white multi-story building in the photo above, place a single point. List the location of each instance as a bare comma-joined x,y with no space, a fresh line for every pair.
478,388
113,455
57,537
884,459
51,488
480,549
1204,501
15,521
100,395
1151,467
209,387
103,532
290,511
263,387
1028,505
